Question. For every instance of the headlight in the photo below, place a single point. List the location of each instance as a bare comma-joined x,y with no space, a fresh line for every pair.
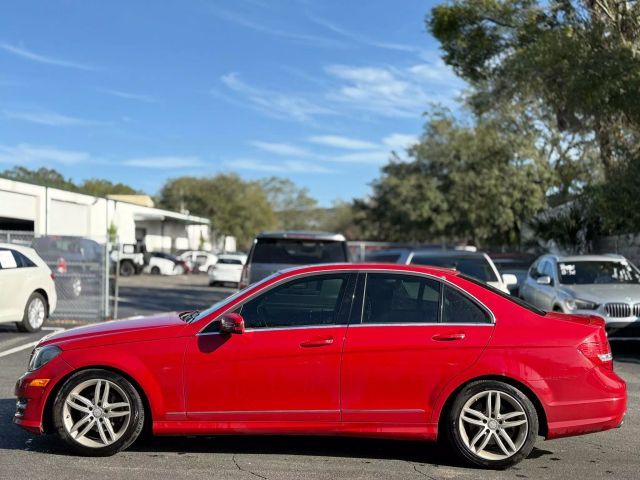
42,356
577,304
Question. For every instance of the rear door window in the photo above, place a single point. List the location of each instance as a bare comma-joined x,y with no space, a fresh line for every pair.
396,298
288,251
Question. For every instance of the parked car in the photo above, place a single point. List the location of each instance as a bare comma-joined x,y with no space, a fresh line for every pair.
199,261
161,263
515,264
77,262
605,285
475,264
228,269
130,257
383,351
27,292
273,251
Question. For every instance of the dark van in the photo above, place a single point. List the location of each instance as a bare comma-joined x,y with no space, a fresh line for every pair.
273,251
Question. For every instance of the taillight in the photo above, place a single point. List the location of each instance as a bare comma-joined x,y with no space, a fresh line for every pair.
244,277
598,352
61,267
53,276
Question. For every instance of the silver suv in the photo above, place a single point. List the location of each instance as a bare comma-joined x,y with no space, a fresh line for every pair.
604,285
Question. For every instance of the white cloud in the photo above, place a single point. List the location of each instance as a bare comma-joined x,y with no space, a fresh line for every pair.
273,103
392,91
400,141
25,154
165,162
290,166
130,96
363,39
374,157
39,58
51,119
282,149
338,141
261,27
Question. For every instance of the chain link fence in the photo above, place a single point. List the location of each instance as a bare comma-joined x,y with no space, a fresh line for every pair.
81,267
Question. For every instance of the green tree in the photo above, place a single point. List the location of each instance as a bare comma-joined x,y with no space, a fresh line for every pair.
579,60
234,206
102,188
294,207
47,177
475,183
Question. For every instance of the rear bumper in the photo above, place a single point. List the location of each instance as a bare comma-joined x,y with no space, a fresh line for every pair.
588,404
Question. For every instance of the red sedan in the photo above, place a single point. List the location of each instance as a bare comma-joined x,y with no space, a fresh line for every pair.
369,350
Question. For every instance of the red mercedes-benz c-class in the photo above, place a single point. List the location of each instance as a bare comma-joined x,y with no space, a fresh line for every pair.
369,350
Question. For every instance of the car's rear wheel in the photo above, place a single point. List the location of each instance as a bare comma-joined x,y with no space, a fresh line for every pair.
98,413
35,314
155,271
127,268
492,424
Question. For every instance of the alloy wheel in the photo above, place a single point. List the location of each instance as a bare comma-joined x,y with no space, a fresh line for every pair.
96,413
493,425
36,312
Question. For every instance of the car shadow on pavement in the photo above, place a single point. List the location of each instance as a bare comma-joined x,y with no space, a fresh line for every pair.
13,437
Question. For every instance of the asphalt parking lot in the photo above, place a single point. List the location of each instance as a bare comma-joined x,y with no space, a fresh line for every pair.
149,294
612,454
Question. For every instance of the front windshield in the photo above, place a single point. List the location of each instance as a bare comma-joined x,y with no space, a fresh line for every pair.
226,301
597,272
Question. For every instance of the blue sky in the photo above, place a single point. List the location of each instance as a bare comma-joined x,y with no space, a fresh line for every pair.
318,91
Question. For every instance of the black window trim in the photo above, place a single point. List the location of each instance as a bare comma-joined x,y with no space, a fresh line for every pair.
351,285
357,301
443,282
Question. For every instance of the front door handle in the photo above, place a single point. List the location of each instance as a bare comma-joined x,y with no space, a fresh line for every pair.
448,337
317,342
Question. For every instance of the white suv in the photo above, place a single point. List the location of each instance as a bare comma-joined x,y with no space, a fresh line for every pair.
27,292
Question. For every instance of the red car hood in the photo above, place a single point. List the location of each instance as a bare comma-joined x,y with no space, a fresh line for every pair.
117,331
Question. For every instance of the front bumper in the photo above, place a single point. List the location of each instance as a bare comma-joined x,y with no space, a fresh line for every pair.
623,329
32,400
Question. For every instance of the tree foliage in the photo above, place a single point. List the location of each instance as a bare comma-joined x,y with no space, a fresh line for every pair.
571,68
295,209
473,183
234,206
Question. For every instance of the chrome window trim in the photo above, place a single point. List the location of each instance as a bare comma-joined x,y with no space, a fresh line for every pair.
442,279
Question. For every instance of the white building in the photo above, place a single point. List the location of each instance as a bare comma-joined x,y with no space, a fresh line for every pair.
49,211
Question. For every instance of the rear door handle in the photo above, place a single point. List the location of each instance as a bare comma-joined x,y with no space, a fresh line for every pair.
317,342
448,337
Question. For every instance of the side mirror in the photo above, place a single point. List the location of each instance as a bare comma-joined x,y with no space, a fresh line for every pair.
509,279
232,323
544,280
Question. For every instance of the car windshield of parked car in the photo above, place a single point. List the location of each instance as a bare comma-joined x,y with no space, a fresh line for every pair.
476,267
597,272
286,251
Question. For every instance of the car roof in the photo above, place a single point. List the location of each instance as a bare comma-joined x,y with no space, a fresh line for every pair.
398,267
448,253
302,235
20,248
590,258
231,255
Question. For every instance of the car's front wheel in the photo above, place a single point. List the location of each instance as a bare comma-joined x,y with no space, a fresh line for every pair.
492,424
98,412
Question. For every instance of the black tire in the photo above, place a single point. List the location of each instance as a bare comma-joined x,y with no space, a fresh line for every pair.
136,420
155,271
213,283
454,437
71,287
127,268
24,325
